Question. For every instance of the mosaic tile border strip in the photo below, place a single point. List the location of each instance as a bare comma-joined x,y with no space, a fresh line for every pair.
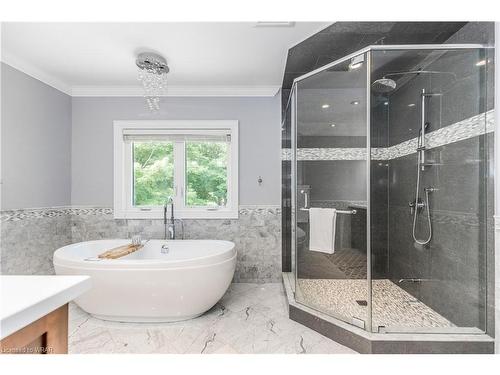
50,212
259,210
34,213
469,128
286,154
304,154
462,130
497,222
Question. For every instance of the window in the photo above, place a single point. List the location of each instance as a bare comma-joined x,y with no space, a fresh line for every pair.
153,173
194,162
206,171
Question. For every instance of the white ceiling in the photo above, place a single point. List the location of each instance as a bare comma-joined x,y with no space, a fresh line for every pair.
204,58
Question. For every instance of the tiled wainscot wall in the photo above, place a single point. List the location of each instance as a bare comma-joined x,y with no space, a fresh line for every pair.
30,237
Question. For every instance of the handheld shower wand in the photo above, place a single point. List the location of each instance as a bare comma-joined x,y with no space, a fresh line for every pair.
417,205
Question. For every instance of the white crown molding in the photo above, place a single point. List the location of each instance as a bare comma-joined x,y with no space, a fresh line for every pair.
134,91
179,91
31,70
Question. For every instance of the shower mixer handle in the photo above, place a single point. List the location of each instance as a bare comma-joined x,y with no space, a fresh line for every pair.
418,205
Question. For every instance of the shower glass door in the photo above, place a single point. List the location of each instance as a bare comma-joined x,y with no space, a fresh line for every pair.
429,189
329,170
398,140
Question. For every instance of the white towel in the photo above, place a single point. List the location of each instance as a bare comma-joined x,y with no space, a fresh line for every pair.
322,229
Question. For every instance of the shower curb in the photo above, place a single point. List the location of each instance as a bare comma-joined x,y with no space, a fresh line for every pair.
383,343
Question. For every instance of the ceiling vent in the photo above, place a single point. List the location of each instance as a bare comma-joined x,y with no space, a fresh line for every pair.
274,24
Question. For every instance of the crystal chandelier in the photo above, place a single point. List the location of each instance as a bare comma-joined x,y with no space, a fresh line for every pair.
153,71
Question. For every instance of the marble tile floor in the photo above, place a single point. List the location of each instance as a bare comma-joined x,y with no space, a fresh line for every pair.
249,319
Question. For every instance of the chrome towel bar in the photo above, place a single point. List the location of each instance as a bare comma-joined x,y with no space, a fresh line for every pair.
347,212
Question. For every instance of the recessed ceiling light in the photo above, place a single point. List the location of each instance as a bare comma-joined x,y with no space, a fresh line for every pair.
411,105
325,106
355,66
332,125
386,103
481,63
355,102
356,62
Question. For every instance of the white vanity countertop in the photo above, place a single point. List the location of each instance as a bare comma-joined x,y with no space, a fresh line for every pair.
24,299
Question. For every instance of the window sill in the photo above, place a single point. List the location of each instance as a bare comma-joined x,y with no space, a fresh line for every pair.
157,214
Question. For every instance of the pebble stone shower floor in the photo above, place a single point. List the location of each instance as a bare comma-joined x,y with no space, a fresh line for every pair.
392,306
250,318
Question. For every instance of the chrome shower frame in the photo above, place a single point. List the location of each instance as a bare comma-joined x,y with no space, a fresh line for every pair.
421,164
393,47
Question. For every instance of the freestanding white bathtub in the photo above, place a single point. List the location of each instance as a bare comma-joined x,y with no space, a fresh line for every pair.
149,286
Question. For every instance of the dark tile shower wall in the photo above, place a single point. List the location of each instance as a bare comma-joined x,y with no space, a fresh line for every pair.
379,199
457,262
342,38
336,41
453,268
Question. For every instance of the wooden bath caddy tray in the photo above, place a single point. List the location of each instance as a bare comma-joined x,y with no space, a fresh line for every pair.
120,251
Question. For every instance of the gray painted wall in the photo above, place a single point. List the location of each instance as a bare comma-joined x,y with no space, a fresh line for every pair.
36,142
59,151
92,141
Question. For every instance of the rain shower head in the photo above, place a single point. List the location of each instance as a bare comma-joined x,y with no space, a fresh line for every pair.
383,85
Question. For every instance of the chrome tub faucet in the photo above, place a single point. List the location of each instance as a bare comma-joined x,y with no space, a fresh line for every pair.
169,225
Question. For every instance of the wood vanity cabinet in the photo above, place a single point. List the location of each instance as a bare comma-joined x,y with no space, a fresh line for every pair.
47,335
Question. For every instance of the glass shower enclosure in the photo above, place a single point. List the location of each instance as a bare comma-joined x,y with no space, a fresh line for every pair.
397,140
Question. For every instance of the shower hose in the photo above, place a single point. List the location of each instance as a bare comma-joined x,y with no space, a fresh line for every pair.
415,211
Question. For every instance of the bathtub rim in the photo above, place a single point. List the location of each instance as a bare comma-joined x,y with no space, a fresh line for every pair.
230,253
152,269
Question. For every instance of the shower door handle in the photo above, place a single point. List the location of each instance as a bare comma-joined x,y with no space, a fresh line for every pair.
306,198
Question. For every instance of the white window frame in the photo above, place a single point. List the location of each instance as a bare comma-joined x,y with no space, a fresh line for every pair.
123,171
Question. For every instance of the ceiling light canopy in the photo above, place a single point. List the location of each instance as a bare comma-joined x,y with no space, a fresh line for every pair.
153,71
